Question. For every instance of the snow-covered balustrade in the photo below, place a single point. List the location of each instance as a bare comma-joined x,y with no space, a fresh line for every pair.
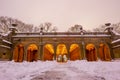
116,46
115,41
63,34
4,46
6,41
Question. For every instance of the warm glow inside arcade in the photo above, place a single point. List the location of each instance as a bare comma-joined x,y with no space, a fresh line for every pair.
48,53
18,53
75,53
61,53
32,53
104,52
91,52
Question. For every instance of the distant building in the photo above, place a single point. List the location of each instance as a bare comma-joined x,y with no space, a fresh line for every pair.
60,46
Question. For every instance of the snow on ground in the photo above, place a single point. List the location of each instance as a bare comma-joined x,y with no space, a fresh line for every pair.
52,70
23,71
107,70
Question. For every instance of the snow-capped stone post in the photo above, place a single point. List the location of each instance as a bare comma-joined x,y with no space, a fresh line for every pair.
41,42
82,32
109,28
13,28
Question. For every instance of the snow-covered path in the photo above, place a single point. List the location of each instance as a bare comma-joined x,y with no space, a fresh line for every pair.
66,72
51,70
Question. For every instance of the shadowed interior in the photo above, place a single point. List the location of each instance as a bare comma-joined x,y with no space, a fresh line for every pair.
91,52
48,52
75,53
104,52
32,53
18,53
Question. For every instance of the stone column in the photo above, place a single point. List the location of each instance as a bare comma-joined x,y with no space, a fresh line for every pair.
68,50
111,52
25,52
83,50
98,53
38,52
41,48
55,49
80,52
11,53
41,51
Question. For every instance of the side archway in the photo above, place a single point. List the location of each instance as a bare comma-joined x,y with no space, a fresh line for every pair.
18,53
104,52
48,53
32,53
91,52
75,53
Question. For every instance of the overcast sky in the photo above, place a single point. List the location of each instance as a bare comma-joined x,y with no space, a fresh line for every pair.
63,13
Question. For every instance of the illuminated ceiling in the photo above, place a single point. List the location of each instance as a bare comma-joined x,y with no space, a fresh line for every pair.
50,48
20,45
61,49
73,46
32,47
101,45
90,46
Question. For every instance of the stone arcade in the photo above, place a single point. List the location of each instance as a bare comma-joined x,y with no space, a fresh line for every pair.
60,46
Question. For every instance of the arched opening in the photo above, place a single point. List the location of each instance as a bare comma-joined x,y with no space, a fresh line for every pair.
104,52
75,53
61,53
18,53
91,52
32,53
48,52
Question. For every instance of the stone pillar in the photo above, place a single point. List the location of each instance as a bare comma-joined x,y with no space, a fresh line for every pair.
68,50
11,52
41,51
80,52
38,53
25,52
55,49
41,48
83,50
111,51
98,53
41,43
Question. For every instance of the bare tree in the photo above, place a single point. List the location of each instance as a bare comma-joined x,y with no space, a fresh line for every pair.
48,27
101,28
4,25
6,22
36,29
116,27
75,28
22,27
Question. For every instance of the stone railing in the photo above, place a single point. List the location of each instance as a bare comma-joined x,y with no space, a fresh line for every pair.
65,33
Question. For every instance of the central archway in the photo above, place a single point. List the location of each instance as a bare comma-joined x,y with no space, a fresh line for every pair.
32,53
75,53
91,52
48,52
61,53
